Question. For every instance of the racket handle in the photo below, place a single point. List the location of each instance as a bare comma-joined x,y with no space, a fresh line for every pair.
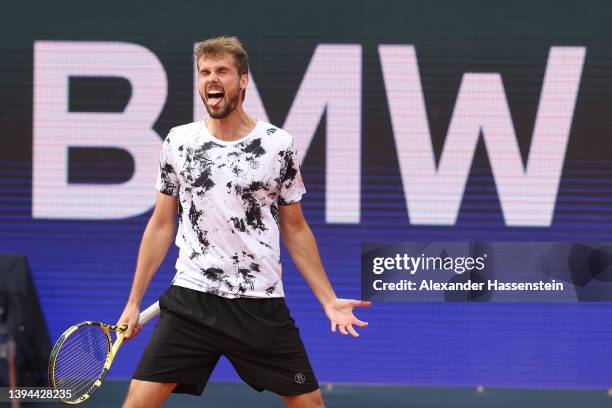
149,313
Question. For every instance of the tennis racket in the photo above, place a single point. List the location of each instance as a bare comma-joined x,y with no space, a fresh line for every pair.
83,354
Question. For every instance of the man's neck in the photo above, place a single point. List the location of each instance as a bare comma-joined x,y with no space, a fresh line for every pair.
234,126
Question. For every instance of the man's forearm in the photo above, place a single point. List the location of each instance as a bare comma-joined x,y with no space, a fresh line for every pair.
156,241
302,247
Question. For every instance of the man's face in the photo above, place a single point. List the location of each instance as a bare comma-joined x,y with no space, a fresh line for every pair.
220,84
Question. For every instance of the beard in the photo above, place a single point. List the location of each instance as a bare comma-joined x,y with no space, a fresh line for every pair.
231,101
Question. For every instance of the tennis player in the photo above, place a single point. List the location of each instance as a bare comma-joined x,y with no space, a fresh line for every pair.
235,182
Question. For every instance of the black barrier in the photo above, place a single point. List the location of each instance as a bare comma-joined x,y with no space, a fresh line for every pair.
25,323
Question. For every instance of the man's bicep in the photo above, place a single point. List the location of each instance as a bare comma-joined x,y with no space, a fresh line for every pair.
166,207
291,215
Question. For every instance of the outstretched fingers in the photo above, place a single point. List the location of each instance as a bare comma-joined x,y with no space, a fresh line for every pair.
346,329
352,331
360,323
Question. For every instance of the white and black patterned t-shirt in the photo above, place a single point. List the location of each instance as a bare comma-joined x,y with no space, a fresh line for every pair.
229,193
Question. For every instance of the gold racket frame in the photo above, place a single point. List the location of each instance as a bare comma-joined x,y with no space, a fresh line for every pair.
110,356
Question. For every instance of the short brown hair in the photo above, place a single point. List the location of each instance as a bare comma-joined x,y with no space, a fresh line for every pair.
224,44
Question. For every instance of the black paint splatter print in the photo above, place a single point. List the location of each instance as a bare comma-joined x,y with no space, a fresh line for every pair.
168,183
229,194
275,213
253,209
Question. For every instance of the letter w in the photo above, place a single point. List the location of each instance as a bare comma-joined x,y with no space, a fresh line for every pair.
527,193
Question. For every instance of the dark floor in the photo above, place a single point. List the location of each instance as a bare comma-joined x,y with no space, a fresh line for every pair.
224,395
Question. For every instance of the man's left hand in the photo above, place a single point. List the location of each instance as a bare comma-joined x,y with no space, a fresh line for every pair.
340,314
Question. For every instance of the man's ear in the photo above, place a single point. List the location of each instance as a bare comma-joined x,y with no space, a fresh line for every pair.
244,82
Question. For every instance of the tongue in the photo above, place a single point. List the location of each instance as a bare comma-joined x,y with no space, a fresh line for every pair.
214,101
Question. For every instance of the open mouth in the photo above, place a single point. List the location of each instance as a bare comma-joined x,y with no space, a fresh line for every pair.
214,97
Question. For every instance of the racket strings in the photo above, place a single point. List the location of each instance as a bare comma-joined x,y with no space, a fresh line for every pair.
79,372
78,376
80,360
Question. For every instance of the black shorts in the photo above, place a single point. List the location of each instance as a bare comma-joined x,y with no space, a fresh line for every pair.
258,336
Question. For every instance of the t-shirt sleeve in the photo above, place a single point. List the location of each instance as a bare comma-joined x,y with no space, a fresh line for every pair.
292,185
167,180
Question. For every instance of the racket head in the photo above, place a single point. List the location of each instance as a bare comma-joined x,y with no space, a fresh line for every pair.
81,358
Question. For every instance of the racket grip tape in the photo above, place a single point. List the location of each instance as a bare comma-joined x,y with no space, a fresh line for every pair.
149,313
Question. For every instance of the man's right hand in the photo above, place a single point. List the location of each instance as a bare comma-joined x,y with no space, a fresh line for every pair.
130,316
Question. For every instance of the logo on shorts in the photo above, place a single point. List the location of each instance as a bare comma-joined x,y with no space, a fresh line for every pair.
300,378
